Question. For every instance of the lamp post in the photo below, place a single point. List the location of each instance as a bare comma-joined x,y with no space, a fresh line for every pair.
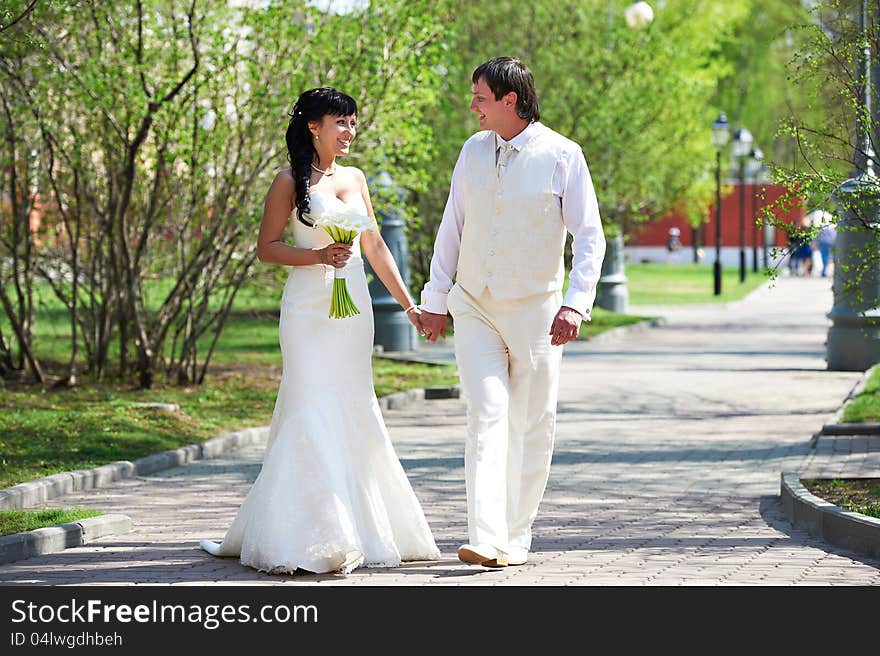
611,291
720,135
768,234
853,342
742,146
393,331
755,158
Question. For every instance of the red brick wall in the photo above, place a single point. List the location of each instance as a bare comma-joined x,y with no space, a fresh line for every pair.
656,232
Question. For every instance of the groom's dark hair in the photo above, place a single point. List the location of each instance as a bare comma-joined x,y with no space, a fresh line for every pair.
506,74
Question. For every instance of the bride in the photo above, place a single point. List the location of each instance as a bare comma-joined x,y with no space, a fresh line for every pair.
331,495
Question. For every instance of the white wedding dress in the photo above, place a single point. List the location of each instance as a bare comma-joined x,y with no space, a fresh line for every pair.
332,494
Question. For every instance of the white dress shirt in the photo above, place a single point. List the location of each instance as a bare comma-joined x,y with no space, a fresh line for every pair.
572,185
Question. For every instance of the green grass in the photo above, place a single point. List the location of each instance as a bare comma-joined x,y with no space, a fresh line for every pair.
861,495
391,376
19,521
602,320
256,311
675,284
865,407
44,433
249,339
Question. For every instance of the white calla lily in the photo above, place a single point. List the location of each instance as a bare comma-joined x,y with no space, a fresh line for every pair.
343,224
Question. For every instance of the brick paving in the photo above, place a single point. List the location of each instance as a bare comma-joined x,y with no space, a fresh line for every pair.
670,446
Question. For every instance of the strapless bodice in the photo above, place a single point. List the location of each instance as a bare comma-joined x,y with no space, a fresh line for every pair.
324,205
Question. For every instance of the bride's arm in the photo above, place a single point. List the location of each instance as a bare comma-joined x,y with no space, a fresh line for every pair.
276,212
376,251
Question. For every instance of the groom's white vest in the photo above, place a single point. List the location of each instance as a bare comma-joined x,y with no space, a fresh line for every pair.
513,236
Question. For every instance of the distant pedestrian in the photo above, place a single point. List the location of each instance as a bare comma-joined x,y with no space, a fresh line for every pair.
673,242
800,249
825,241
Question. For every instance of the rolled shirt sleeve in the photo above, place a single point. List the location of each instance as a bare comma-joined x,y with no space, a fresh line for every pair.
580,213
444,262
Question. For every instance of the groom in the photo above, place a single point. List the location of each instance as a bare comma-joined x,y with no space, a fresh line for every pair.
517,187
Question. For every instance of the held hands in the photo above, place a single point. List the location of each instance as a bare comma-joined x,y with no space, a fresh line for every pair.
335,255
433,325
566,325
414,314
427,323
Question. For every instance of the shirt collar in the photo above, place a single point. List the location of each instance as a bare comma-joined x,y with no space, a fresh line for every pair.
519,140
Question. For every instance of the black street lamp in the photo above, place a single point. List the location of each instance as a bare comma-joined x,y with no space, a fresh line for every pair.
755,158
768,232
742,146
720,135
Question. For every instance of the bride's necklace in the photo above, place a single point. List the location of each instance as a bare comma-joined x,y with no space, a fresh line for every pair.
328,172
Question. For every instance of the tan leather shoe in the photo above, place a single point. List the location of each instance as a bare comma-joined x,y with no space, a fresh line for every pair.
482,554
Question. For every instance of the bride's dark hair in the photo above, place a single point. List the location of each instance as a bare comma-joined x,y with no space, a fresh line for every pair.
312,105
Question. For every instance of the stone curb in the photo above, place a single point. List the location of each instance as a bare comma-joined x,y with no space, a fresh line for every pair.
20,546
34,493
836,427
399,400
851,429
843,528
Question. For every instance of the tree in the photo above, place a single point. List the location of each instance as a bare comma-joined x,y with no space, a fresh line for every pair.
835,130
755,90
637,100
160,126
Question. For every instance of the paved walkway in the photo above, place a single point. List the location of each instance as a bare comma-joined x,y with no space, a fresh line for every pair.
666,471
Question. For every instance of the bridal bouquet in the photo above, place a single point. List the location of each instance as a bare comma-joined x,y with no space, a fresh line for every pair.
343,226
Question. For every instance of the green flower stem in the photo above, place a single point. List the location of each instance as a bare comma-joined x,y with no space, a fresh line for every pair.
341,303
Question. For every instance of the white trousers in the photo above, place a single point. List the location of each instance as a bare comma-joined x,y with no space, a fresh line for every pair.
510,378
